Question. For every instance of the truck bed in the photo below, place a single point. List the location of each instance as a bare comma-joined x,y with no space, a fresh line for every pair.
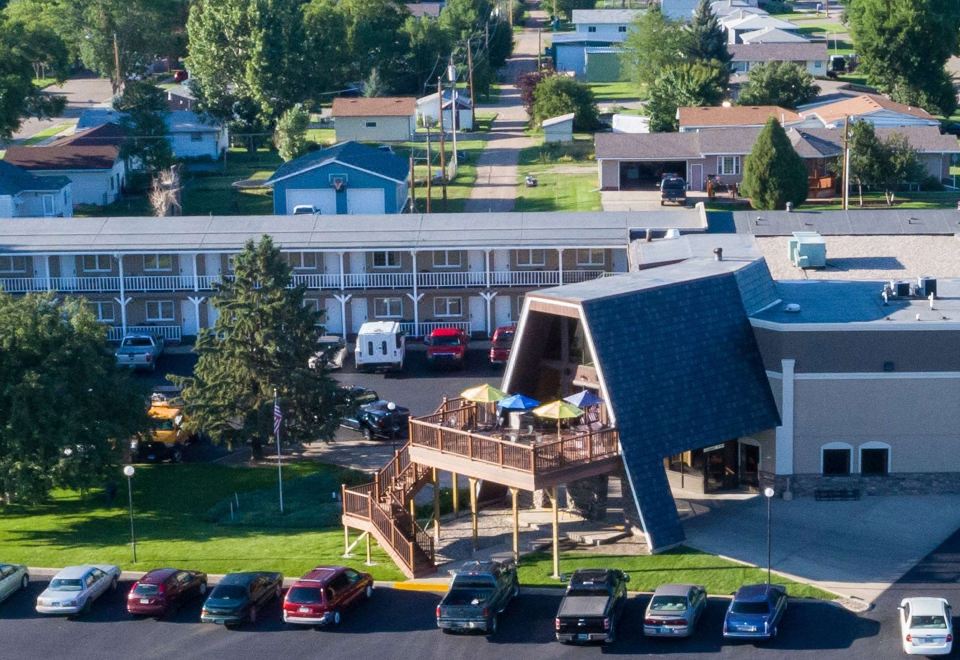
580,607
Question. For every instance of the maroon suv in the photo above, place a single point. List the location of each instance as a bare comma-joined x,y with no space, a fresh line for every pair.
165,589
321,596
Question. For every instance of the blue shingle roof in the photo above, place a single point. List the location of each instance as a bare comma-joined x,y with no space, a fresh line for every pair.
351,154
15,180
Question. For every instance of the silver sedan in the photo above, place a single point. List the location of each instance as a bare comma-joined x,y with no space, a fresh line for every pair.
13,577
674,610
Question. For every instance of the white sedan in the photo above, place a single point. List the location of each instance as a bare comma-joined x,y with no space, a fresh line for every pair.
926,626
13,577
73,590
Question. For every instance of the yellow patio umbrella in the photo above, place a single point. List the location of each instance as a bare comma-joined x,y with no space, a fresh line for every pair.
558,410
483,394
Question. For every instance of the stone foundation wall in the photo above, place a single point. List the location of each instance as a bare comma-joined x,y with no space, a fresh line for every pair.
899,483
588,497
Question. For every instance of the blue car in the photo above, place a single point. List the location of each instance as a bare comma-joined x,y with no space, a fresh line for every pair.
755,612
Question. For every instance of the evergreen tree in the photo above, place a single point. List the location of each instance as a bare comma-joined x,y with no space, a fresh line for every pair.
774,173
707,40
145,109
261,342
684,84
290,136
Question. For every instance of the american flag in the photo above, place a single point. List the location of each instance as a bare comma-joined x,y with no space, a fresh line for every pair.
277,416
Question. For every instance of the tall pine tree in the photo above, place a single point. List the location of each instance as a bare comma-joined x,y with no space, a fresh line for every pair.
774,173
261,342
707,39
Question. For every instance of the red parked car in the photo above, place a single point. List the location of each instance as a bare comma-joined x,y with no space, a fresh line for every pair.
501,343
447,346
163,590
321,596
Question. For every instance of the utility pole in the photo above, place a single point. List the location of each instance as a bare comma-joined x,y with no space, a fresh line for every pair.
116,64
486,35
443,156
473,99
846,163
539,47
413,186
429,167
454,112
510,9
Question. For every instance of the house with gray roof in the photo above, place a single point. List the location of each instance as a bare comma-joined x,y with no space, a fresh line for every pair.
191,135
811,56
26,195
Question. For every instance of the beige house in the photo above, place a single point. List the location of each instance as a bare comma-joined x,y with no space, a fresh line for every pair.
386,119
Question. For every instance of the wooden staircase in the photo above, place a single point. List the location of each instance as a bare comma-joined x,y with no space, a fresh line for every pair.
381,508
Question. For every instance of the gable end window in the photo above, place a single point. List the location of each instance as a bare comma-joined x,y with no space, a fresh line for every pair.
386,259
591,28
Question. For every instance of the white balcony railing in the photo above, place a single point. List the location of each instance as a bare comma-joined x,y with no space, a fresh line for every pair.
378,280
171,333
317,280
572,276
424,328
158,283
22,284
524,278
464,279
85,284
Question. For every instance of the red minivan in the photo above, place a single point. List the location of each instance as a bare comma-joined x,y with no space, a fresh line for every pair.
447,346
321,596
501,343
163,590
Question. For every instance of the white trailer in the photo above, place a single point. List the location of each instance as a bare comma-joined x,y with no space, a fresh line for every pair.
380,345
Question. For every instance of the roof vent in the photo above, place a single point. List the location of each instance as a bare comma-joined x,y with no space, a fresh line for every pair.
718,253
793,308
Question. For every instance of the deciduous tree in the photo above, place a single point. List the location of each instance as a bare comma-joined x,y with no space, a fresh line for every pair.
19,97
559,95
653,44
144,109
884,163
774,173
290,135
786,84
685,84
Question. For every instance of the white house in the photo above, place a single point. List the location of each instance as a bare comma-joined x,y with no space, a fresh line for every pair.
558,129
596,32
771,35
741,22
190,134
600,24
25,195
811,56
378,119
427,112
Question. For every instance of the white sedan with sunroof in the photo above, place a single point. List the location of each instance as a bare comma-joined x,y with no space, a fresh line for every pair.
926,626
73,589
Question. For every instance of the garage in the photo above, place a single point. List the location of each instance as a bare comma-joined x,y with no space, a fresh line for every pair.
647,174
365,201
323,199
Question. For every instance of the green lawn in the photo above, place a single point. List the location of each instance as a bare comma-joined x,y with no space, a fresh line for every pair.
808,25
483,121
323,136
459,189
903,200
172,505
647,572
45,134
559,186
615,91
42,83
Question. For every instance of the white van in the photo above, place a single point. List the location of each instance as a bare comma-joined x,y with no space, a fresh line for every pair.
380,345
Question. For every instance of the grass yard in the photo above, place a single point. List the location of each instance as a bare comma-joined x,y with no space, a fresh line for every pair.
43,83
46,134
324,136
615,91
172,508
483,121
903,200
647,572
459,189
566,178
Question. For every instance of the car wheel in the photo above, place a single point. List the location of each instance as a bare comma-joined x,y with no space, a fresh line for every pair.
492,626
278,592
368,592
516,589
113,584
252,615
367,433
25,582
336,618
203,588
177,455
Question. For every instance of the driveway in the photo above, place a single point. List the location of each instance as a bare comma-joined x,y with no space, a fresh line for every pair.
856,548
632,200
82,93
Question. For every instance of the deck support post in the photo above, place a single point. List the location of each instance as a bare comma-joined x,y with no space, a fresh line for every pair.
514,492
473,513
369,561
436,507
346,540
456,495
556,532
413,517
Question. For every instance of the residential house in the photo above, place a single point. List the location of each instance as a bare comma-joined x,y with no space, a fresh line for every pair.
874,108
771,35
378,119
97,171
424,9
428,113
591,51
347,178
181,98
811,56
740,23
26,195
558,129
724,8
695,118
679,10
190,134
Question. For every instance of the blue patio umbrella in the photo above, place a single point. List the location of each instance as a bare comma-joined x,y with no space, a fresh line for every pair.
517,402
583,399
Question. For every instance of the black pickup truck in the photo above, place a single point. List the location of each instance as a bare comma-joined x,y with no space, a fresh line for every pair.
480,591
592,605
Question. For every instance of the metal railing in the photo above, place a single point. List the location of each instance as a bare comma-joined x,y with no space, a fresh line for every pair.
378,280
440,279
171,333
424,328
158,282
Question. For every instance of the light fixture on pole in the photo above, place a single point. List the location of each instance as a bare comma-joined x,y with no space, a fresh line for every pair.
768,493
392,407
128,472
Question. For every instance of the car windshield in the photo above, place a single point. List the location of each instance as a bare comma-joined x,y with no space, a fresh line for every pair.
503,340
740,607
306,595
146,589
668,604
137,341
473,583
163,425
229,592
445,341
61,584
933,622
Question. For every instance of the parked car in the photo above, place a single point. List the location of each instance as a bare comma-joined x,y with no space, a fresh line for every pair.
674,609
166,440
755,612
74,588
673,189
447,346
139,351
332,352
377,420
501,343
321,596
592,605
239,597
926,626
380,345
13,577
165,589
479,593
305,209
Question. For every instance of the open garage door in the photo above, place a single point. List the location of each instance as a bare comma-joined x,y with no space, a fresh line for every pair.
319,198
646,174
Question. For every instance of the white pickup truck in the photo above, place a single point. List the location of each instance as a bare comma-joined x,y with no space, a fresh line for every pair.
139,351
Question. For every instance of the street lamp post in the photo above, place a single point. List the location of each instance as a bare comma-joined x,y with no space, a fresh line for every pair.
392,407
128,471
768,493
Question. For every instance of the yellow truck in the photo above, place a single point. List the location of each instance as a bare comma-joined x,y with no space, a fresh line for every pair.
166,439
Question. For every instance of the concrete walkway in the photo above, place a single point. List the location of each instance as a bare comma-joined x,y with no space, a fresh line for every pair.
496,187
856,548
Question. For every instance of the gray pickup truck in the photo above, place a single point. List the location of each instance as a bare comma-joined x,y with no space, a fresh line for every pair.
480,591
590,608
139,351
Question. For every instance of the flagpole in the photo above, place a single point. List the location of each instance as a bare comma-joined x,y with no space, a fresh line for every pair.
277,417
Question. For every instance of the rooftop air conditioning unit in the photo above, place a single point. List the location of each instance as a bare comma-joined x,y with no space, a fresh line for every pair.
927,285
902,289
807,249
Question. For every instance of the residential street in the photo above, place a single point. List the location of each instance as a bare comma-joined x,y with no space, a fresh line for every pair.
496,186
82,92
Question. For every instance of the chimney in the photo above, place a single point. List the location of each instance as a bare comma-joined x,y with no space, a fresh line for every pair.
718,253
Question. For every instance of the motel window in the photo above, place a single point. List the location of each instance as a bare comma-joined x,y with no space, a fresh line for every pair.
103,311
875,459
302,260
370,124
836,459
728,164
159,310
153,262
96,263
621,28
446,307
12,264
591,28
386,260
388,308
529,258
447,259
591,257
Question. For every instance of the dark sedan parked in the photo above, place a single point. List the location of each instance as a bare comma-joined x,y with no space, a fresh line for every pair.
377,420
240,596
163,590
755,612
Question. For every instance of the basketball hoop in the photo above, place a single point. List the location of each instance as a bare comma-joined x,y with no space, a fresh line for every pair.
339,183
